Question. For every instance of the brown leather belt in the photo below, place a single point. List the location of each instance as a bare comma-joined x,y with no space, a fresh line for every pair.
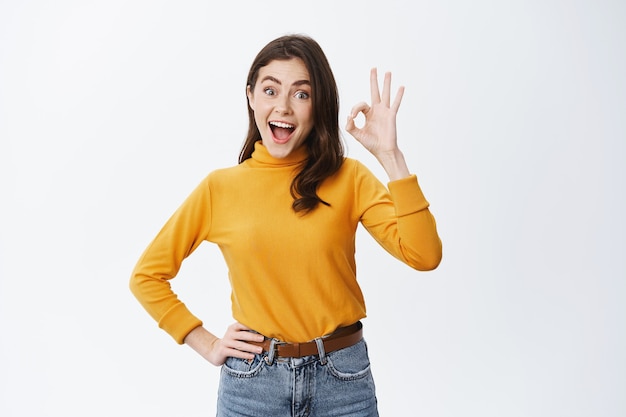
341,338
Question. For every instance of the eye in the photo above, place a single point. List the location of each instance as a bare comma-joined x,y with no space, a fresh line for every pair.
302,95
269,91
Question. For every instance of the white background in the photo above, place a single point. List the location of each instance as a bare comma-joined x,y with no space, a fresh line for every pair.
513,119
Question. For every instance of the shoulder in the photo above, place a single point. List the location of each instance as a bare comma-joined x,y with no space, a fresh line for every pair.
223,174
216,179
351,165
354,175
355,168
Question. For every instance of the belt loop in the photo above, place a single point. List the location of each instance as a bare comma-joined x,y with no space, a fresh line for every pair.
269,359
320,350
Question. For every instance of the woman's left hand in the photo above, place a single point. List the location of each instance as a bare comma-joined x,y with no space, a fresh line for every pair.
378,134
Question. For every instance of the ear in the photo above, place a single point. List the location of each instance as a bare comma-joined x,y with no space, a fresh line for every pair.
250,97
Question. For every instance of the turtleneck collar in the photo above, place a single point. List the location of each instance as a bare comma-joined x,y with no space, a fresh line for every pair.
261,157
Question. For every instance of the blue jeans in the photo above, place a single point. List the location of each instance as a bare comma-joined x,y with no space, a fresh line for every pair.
326,385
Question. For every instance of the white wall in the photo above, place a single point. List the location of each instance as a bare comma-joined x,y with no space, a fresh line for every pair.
513,118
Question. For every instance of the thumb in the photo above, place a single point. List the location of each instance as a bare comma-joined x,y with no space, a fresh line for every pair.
351,127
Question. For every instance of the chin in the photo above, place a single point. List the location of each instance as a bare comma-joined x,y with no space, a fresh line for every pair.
279,150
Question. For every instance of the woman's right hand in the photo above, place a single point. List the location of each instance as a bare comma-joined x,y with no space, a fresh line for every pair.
233,344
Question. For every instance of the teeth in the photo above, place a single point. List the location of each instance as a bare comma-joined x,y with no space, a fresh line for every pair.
283,125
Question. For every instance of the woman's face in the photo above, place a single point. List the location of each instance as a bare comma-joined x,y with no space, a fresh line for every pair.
282,105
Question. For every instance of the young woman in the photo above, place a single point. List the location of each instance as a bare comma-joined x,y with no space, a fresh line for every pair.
285,220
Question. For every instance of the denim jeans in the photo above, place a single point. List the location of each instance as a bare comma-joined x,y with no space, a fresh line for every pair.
326,385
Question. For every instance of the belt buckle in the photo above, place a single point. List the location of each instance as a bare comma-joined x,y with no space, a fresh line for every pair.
272,352
289,350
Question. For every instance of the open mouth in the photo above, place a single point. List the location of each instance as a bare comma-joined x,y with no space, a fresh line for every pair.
281,131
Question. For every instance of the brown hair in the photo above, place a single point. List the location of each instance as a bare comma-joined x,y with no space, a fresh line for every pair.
325,149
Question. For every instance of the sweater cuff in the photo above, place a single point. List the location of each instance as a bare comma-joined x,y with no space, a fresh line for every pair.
407,196
178,322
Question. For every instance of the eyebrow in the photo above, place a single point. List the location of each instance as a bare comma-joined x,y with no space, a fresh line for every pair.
296,83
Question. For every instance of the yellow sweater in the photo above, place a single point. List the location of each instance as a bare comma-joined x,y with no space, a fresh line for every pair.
293,277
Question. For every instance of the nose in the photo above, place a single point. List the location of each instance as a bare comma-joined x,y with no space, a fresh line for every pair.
283,105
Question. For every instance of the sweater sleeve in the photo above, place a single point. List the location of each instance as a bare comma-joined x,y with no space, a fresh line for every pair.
399,219
162,259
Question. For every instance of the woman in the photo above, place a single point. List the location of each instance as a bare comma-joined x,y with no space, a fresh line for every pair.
285,220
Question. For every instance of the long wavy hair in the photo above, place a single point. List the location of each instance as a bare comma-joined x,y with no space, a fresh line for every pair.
324,145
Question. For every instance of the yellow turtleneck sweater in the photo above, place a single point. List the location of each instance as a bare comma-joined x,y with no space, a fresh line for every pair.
293,276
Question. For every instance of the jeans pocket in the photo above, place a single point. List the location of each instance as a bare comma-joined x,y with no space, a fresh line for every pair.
350,363
243,368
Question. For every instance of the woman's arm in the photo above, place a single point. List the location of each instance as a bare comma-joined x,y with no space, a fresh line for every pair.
408,230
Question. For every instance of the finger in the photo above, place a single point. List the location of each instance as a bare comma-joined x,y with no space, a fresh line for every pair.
398,99
375,91
247,347
249,336
361,107
387,89
230,346
236,353
238,331
351,127
238,326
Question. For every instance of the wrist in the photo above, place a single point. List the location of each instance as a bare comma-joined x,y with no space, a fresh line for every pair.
394,164
202,341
